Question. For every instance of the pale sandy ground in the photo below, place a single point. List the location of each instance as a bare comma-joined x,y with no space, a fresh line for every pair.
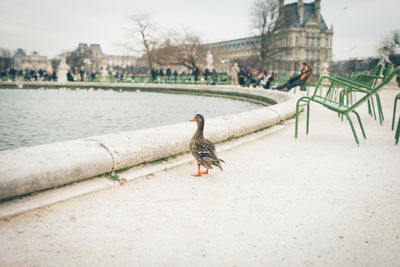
316,201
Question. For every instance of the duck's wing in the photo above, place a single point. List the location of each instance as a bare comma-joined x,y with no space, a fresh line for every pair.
209,145
206,150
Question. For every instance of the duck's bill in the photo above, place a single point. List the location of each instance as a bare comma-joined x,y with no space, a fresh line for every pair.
193,120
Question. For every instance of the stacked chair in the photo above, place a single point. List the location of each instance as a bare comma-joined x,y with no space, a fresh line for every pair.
340,95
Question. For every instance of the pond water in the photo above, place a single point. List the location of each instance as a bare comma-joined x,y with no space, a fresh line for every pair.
40,116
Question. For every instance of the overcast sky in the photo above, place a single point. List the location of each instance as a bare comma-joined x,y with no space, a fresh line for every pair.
53,26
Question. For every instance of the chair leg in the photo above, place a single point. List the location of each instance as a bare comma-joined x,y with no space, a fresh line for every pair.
359,122
379,106
394,113
297,113
373,107
352,128
369,108
397,135
297,119
308,117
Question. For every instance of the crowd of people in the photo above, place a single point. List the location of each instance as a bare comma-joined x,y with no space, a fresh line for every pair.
240,75
195,75
27,75
80,74
246,77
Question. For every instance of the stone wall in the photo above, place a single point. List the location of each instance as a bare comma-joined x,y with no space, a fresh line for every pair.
30,169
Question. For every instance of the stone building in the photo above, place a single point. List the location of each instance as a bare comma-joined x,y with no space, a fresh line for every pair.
305,36
93,59
34,61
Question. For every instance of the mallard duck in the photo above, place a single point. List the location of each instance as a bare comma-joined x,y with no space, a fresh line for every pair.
203,150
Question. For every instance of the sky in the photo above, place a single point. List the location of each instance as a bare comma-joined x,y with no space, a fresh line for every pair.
54,26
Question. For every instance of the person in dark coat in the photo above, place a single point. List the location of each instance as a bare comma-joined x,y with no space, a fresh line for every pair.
175,75
214,76
82,73
206,74
169,73
70,78
196,73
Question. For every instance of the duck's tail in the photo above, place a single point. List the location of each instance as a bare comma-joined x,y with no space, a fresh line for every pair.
218,164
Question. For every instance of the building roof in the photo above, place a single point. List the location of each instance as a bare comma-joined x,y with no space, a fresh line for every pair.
20,52
291,15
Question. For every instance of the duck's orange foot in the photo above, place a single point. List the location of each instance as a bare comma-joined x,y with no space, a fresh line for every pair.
205,172
198,171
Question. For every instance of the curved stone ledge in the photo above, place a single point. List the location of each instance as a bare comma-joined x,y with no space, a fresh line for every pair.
30,169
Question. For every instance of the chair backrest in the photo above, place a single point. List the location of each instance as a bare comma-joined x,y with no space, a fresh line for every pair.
375,90
377,70
388,69
389,76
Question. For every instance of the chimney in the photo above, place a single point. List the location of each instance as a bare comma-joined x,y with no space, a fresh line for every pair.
300,11
317,8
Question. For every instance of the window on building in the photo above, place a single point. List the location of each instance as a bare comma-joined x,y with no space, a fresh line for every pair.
296,52
307,38
326,54
297,40
326,41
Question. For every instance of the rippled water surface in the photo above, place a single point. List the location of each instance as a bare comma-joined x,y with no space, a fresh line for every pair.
33,117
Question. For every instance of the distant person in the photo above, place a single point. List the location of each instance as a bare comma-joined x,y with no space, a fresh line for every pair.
234,73
214,76
196,73
93,75
154,74
12,73
268,79
70,78
206,74
54,76
3,75
175,75
161,74
169,73
241,76
302,79
82,73
248,76
258,78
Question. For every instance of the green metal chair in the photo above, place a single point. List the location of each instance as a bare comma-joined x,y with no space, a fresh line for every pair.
332,83
369,81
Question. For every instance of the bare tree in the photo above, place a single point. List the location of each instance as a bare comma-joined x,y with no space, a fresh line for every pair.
184,49
143,30
77,58
265,14
392,42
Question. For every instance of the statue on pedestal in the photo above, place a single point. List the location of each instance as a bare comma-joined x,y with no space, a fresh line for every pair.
104,74
384,56
210,60
62,70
